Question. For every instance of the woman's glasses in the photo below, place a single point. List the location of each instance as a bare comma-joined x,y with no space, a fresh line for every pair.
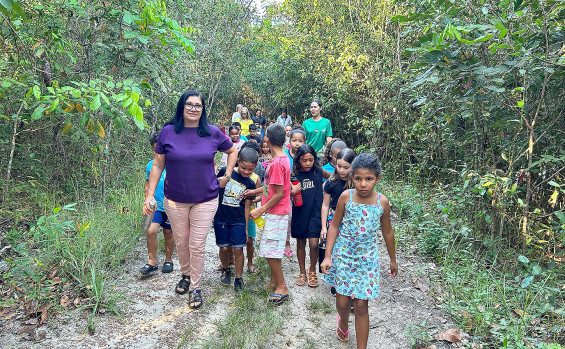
189,106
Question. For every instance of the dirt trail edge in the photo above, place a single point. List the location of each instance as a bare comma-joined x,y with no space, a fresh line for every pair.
159,318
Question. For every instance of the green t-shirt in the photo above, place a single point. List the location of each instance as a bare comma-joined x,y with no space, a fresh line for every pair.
317,131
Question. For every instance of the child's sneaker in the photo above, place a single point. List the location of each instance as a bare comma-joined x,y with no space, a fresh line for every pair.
238,284
225,279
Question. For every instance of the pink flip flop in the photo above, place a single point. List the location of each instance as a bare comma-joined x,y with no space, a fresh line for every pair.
338,330
288,253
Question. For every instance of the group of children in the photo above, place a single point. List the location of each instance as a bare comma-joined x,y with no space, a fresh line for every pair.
308,202
301,199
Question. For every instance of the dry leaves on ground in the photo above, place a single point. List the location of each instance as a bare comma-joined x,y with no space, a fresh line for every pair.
452,335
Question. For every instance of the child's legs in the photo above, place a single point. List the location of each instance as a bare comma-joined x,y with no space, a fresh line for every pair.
238,255
223,253
287,245
152,243
301,254
169,240
251,233
250,252
238,240
201,216
169,244
343,306
178,214
313,253
277,275
361,308
222,232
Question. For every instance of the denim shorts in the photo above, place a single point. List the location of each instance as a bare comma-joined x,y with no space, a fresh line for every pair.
230,234
161,218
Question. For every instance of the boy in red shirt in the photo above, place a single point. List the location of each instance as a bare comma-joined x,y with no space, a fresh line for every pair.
276,206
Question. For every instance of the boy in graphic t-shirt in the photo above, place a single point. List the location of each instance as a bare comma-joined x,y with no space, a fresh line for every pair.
276,206
232,216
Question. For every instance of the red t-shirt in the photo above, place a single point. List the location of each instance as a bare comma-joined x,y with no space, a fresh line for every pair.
278,173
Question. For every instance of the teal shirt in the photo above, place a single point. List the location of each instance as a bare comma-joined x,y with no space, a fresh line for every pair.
316,132
159,195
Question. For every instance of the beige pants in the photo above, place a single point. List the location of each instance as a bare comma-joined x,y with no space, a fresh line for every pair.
190,224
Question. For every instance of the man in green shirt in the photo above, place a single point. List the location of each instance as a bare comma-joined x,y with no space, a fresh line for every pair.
318,129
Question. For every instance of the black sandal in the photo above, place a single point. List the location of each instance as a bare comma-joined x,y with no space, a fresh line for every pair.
196,298
183,285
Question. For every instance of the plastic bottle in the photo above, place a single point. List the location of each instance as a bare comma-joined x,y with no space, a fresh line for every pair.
260,221
297,197
149,217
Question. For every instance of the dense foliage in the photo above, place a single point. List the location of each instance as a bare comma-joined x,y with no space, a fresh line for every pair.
466,98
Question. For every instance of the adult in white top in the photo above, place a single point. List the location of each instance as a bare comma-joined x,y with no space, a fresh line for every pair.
236,117
284,119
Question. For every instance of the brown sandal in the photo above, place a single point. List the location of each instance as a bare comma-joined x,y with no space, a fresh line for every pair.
301,280
312,279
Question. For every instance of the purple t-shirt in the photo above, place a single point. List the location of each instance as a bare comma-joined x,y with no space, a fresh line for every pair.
189,160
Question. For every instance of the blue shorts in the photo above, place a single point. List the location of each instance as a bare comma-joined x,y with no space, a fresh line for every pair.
162,219
230,234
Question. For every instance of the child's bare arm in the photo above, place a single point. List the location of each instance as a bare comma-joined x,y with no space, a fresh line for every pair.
154,176
324,213
247,210
388,235
326,174
332,231
279,193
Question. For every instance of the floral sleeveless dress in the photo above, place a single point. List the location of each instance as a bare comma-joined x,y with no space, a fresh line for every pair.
355,255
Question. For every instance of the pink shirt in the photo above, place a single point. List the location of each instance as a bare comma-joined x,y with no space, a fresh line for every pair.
278,173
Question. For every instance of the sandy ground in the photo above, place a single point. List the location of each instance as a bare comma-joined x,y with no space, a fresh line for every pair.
158,318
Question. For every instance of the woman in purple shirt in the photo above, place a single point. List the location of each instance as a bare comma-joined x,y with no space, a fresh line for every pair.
186,147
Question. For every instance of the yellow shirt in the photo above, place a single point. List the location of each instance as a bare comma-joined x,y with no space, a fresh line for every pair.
245,126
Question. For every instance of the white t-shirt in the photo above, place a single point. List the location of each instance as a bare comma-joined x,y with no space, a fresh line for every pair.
284,121
236,117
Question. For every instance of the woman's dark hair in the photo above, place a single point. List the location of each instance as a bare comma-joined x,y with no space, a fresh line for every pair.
368,161
347,155
203,129
301,151
317,101
284,110
154,138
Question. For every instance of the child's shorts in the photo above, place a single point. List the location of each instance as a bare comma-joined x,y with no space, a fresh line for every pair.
162,219
273,239
230,234
251,229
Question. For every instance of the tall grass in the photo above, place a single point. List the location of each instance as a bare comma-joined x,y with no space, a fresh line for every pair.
85,245
498,296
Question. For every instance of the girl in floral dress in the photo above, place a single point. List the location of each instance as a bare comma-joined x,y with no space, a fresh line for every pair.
352,256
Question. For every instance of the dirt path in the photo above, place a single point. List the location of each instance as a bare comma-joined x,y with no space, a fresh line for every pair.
157,317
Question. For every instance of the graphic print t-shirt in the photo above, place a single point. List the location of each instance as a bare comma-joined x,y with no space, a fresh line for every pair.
231,206
307,218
